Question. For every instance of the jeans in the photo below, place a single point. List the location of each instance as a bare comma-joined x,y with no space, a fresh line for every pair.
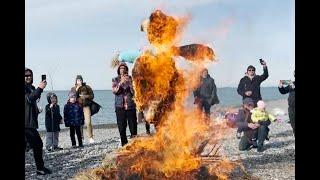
260,134
292,117
52,139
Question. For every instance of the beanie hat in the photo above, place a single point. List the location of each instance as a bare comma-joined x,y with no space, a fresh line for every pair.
248,101
72,94
79,77
261,104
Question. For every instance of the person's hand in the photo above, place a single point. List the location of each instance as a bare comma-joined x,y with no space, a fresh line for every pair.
248,93
252,126
292,85
51,105
263,63
42,84
280,83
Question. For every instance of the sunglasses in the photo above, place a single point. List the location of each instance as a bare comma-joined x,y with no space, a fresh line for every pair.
27,75
251,70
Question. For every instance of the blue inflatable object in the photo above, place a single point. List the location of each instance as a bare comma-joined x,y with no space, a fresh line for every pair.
129,56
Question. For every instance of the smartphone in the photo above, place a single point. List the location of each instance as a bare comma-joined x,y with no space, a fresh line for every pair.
43,77
286,82
261,61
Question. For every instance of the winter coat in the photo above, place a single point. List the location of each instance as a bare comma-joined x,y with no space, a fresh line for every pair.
243,118
258,115
84,90
53,125
246,84
124,89
31,110
291,91
207,91
73,114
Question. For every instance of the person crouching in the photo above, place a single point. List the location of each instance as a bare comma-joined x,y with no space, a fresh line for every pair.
52,121
74,118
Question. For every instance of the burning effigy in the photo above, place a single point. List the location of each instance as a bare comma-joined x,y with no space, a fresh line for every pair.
184,146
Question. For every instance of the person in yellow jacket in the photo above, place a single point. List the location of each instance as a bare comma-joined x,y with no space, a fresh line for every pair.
259,114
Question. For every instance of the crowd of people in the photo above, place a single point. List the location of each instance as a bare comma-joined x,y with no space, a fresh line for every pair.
252,119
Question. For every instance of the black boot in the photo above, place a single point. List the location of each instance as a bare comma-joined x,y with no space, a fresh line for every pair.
43,171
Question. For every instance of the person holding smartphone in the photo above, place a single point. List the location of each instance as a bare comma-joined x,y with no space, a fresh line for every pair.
125,107
249,85
32,137
289,88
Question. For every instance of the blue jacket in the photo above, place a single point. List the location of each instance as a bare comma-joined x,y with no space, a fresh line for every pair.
73,114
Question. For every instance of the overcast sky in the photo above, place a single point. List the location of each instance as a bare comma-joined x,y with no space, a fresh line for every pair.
66,38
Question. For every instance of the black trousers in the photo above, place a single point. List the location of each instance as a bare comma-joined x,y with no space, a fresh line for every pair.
34,140
124,116
147,126
260,134
292,117
77,130
204,105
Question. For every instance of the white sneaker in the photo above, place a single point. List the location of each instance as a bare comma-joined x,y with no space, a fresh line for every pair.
91,140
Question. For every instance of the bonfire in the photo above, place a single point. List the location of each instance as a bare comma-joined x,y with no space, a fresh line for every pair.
184,146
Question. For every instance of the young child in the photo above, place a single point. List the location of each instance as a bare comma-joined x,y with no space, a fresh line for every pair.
53,119
74,118
260,115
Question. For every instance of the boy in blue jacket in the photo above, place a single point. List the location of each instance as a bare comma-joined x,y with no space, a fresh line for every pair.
74,118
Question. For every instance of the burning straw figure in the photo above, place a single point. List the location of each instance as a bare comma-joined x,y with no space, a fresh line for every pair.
160,91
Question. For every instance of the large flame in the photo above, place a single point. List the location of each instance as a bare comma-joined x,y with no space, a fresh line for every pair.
161,90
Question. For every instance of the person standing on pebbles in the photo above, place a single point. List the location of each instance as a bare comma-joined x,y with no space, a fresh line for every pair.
52,121
74,118
125,107
84,97
289,87
32,137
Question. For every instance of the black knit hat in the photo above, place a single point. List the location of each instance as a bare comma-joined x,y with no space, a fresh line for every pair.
79,77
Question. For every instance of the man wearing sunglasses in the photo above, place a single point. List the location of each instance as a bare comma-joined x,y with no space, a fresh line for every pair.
32,136
249,85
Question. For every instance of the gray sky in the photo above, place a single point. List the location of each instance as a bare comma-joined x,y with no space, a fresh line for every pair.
66,38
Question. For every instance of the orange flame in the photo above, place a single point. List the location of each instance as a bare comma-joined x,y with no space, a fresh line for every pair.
161,91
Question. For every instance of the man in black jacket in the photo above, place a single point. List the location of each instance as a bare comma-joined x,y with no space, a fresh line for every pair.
206,94
31,120
290,88
249,85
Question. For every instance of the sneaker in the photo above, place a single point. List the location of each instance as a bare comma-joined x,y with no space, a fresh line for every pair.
80,146
238,135
43,171
91,140
267,138
74,146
